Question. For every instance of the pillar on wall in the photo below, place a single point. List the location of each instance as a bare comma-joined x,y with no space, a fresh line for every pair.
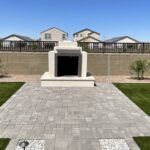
51,60
84,64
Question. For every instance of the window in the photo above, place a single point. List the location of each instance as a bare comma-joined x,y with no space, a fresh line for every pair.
76,35
95,45
48,36
80,35
63,36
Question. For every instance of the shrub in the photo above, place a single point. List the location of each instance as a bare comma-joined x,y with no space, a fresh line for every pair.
140,67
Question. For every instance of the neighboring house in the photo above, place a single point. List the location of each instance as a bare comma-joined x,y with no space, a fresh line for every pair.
88,37
13,40
54,35
123,42
122,39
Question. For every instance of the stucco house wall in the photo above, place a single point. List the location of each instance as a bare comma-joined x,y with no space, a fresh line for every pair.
7,43
127,40
56,35
78,36
12,39
89,39
84,34
95,35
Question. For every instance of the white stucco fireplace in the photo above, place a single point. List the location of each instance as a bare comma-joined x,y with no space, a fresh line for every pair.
67,67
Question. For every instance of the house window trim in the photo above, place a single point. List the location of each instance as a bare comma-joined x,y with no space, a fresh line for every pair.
63,36
48,36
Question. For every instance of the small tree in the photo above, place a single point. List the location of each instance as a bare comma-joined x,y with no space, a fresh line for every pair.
140,67
145,67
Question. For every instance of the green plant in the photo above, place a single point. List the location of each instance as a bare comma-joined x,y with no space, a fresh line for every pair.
145,67
130,46
4,143
140,67
7,89
138,93
143,142
34,46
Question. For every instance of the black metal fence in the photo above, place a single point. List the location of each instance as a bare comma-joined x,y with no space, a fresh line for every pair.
27,46
90,47
103,47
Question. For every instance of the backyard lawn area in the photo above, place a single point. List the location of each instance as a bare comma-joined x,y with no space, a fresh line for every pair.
139,93
143,142
4,143
7,90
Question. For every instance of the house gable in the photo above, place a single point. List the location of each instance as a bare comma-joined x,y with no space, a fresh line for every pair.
87,30
55,35
15,37
54,28
95,35
84,34
127,40
122,39
89,39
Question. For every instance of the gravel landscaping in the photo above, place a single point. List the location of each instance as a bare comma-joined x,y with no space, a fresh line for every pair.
113,144
33,145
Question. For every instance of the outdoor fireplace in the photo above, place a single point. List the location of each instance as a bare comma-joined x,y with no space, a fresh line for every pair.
67,67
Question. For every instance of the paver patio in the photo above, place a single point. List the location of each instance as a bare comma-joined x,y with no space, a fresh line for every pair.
71,118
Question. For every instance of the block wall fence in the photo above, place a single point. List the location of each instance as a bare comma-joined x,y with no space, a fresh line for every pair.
29,63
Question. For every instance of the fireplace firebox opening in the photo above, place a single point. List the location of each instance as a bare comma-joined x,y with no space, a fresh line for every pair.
68,66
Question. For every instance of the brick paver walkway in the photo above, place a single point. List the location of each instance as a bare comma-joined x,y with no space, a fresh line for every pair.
71,118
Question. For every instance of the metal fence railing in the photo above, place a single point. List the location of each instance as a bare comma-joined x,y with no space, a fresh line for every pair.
90,47
103,47
27,46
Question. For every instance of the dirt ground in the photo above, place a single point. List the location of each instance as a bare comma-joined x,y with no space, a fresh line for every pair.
33,78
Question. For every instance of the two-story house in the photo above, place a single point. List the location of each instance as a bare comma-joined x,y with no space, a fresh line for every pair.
53,34
86,35
89,37
51,37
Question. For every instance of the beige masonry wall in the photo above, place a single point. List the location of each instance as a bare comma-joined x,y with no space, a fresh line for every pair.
119,63
25,63
37,63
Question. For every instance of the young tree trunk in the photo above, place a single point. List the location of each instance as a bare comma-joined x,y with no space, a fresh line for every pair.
138,75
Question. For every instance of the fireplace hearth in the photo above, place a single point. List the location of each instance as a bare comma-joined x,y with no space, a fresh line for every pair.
67,67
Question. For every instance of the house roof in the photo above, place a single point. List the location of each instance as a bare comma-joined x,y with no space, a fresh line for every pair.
54,28
87,38
85,30
116,39
25,38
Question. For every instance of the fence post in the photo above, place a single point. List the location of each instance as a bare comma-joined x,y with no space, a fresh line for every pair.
20,45
143,48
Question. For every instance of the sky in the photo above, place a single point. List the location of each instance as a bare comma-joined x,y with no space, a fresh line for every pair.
110,18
